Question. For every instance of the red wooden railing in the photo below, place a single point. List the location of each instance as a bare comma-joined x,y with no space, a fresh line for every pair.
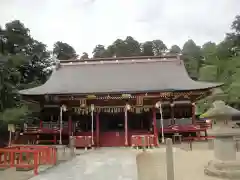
142,140
32,129
41,141
27,157
39,130
83,141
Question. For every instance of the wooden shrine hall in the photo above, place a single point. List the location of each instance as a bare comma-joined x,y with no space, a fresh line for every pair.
116,102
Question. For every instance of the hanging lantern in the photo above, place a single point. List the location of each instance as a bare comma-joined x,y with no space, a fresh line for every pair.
64,108
92,107
158,104
127,107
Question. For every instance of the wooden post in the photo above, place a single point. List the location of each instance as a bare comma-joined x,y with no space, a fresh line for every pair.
172,114
126,126
193,114
92,125
55,139
97,129
35,163
155,130
60,125
169,160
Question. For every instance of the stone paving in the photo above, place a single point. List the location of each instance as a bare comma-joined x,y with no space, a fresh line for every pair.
102,164
120,164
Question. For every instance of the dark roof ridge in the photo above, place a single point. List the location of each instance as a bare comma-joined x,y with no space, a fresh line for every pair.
120,58
129,60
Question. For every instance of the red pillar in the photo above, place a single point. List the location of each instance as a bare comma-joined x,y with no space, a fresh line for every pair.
69,125
155,130
126,126
55,139
41,124
193,114
97,129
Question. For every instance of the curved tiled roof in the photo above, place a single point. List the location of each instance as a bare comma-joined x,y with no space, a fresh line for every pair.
120,76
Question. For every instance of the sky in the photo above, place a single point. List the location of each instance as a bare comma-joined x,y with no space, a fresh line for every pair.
85,23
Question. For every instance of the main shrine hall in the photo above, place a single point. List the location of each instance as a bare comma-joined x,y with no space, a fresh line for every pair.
114,101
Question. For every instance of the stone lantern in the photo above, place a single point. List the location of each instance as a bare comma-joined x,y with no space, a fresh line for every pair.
224,164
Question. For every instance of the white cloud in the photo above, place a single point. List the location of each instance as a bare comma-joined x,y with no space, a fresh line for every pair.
86,23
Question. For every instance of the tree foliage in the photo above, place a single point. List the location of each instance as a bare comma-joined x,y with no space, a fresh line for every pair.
64,51
175,49
24,63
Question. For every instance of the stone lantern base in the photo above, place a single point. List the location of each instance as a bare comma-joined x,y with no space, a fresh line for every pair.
224,164
221,169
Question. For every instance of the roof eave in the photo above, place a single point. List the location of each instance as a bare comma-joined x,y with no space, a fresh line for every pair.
26,93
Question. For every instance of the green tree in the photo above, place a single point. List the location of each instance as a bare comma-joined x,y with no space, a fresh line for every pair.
235,35
132,46
100,52
147,48
24,63
123,48
158,47
175,49
192,58
64,51
119,48
17,37
9,78
236,24
84,56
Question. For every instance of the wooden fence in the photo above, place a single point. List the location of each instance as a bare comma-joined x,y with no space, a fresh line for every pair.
142,140
27,157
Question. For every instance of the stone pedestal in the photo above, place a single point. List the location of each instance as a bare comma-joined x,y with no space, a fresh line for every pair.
72,145
210,144
224,148
61,152
224,164
149,163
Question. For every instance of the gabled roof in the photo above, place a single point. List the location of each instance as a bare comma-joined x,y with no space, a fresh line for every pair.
120,75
